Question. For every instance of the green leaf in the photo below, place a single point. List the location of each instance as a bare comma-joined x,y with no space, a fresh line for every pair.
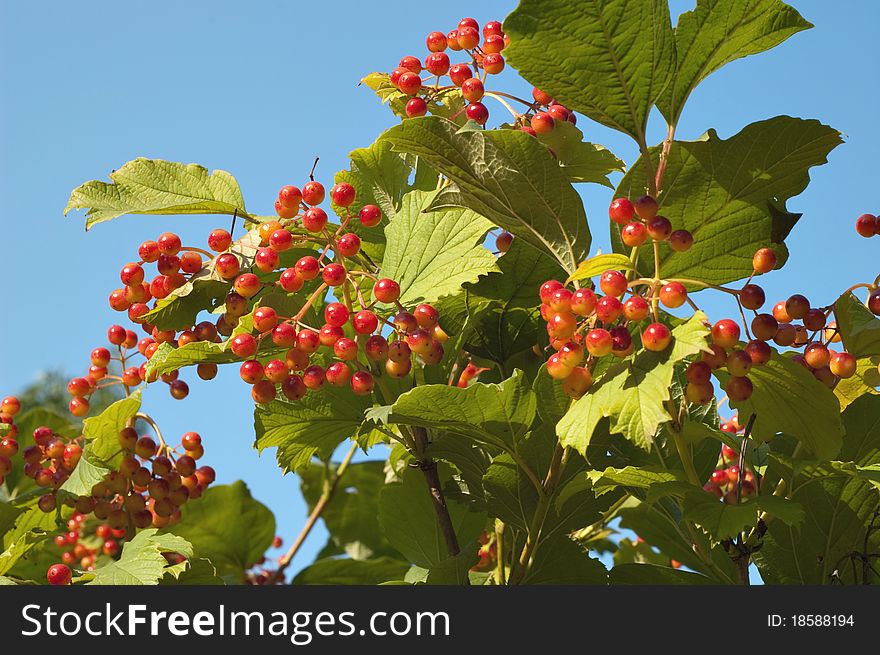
581,160
102,431
381,177
653,574
553,402
726,520
660,526
88,472
350,517
178,311
455,570
633,478
8,516
865,381
445,103
506,176
19,547
838,513
608,59
313,425
228,527
718,32
407,517
632,392
788,399
197,571
499,313
560,561
142,562
154,186
432,253
495,414
731,194
598,264
352,572
859,328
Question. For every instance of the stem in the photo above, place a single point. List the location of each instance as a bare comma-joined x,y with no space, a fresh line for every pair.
686,459
499,553
688,280
320,506
664,156
521,567
432,478
146,418
649,166
505,103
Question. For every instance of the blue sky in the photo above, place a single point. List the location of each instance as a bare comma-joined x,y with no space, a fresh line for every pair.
259,89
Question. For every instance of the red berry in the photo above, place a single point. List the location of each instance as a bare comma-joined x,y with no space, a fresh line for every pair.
409,83
609,309
293,387
542,123
169,243
342,194
493,63
621,211
227,266
612,283
59,575
752,297
334,274
759,352
636,308
681,240
290,197
386,290
477,112
410,63
330,334
866,225
415,107
313,193
598,342
659,228
503,241
266,259
336,314
280,240
558,112
365,322
362,383
376,348
370,215
739,388
247,285
634,234
656,337
290,280
437,63
646,207
698,372
131,274
543,98
468,37
725,333
314,219
243,345
843,365
673,295
797,306
548,288
338,374
459,73
149,251
472,89
436,42
308,267
345,349
764,260
583,302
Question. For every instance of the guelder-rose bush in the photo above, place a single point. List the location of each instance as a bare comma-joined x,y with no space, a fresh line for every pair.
440,303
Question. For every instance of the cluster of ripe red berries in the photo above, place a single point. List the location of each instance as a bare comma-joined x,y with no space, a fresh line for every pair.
584,326
868,225
542,112
351,336
102,373
265,571
725,479
86,541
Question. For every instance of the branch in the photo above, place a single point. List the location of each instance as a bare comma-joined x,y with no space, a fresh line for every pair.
317,511
432,478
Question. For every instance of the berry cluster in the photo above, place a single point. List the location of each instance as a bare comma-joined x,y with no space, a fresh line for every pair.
481,57
86,541
584,326
265,572
868,225
725,479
